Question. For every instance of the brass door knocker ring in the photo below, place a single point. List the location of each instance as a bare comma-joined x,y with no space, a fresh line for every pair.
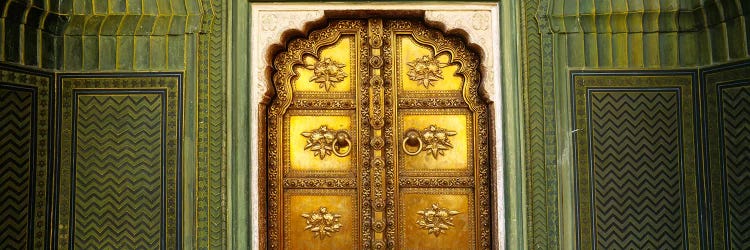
342,140
324,142
413,139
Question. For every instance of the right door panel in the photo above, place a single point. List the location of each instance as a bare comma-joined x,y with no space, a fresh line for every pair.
441,164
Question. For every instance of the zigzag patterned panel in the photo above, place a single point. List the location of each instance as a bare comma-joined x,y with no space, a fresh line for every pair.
636,174
118,171
24,157
736,136
636,170
726,103
16,139
120,161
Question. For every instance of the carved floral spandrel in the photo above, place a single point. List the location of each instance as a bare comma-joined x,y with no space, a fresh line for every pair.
272,24
477,23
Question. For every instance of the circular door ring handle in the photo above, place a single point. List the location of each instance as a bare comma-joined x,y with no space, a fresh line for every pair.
342,136
412,153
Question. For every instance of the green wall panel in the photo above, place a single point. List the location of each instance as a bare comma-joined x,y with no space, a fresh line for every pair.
120,161
727,110
188,36
24,157
16,161
565,35
636,160
118,170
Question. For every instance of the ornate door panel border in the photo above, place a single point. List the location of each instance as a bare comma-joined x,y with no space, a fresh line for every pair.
350,141
480,22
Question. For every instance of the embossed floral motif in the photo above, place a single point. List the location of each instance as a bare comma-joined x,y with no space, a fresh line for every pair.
436,219
436,140
433,140
322,222
324,141
327,73
426,70
319,141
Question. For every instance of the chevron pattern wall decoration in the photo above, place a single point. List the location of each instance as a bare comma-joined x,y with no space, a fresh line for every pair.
636,173
120,161
636,170
736,137
726,103
24,157
118,171
16,136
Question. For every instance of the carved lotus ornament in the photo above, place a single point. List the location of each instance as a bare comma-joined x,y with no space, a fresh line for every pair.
425,70
436,219
327,73
322,223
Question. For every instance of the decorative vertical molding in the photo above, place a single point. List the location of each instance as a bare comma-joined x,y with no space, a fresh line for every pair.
549,124
211,193
534,96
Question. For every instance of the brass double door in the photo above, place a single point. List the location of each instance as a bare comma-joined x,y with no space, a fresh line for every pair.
377,139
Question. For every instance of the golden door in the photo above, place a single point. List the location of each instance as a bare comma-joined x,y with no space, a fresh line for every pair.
377,139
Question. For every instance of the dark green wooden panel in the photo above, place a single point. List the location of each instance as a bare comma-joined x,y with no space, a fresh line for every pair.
16,153
120,161
118,170
636,160
735,134
727,109
24,162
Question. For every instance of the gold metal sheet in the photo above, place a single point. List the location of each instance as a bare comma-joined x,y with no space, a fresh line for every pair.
460,234
453,159
303,160
410,51
339,202
342,52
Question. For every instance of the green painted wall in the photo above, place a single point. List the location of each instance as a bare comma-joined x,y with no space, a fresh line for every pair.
622,37
113,40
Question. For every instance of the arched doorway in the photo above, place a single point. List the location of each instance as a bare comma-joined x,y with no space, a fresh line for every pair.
377,137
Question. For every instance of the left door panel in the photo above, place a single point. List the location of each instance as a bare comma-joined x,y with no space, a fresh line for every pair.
315,142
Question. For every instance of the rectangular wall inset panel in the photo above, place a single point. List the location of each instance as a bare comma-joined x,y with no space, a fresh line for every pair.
24,157
120,161
727,121
16,164
636,154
